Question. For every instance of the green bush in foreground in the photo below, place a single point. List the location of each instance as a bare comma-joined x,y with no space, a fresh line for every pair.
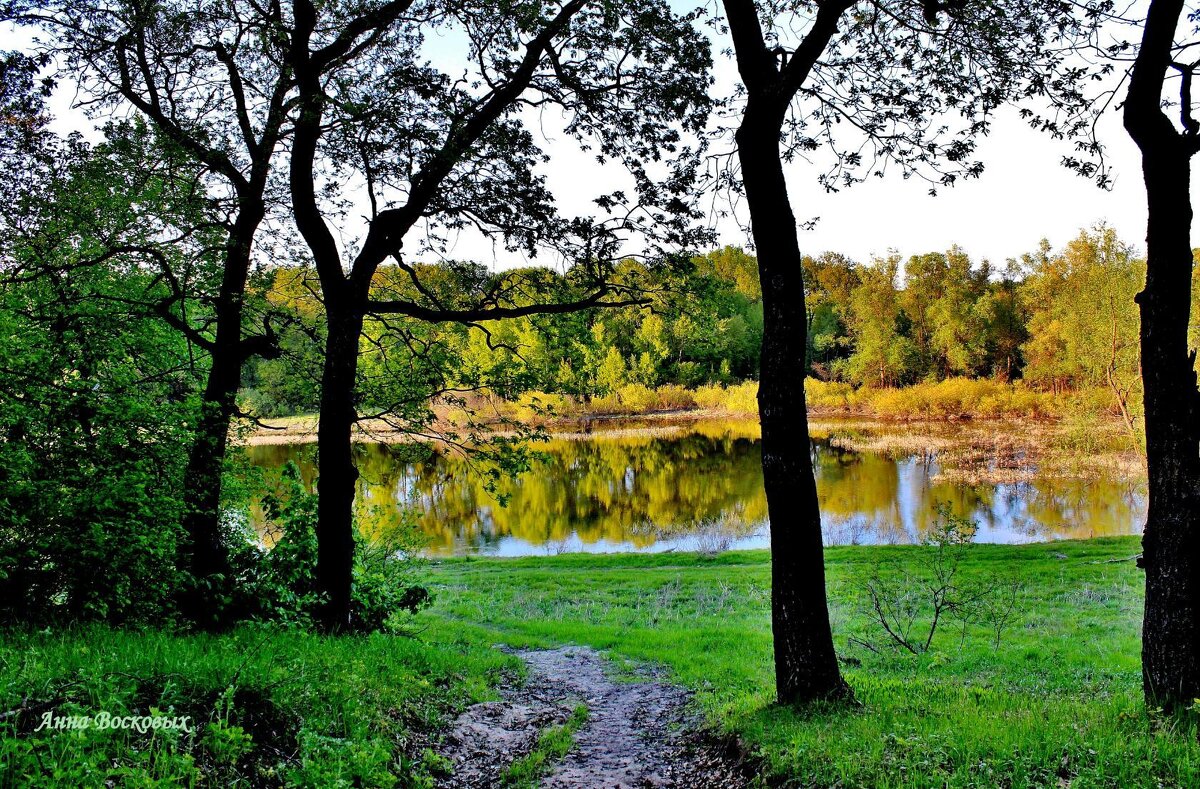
279,585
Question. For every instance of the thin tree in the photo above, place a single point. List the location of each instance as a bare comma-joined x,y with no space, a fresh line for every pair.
875,82
1171,543
434,153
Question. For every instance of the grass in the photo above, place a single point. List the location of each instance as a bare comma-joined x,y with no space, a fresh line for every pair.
948,401
1058,703
268,708
552,745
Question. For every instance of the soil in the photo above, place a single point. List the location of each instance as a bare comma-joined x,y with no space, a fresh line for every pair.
638,733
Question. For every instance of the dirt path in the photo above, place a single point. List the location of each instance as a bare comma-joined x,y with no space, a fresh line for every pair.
637,734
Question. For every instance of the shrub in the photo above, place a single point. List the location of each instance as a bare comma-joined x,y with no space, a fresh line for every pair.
711,396
540,407
673,396
739,399
637,398
742,398
911,604
828,395
280,585
956,398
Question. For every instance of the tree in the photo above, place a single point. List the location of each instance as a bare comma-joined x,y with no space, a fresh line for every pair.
208,78
438,155
887,68
884,351
1171,543
1004,316
97,389
1083,322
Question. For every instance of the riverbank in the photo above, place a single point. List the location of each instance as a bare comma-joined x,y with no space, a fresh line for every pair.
954,400
967,451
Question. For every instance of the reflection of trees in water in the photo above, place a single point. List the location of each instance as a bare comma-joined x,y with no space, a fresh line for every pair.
871,498
1082,508
705,485
858,496
630,489
627,490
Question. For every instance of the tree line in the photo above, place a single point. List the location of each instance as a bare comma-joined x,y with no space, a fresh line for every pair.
1059,320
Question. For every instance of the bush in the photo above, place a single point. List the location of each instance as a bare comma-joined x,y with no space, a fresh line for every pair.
673,397
910,604
959,398
711,396
279,583
92,462
828,395
537,408
741,399
637,398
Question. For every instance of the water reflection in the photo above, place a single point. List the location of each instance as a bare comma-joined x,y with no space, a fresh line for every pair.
701,489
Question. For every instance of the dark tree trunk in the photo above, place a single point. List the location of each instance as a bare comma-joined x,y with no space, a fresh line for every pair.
338,473
1171,543
806,666
206,550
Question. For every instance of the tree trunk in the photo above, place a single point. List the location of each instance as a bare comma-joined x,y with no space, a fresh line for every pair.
806,665
1171,544
207,555
338,474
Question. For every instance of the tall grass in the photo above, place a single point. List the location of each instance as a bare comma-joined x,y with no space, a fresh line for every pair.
266,707
953,398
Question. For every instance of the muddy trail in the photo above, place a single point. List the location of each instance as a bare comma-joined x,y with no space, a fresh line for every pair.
636,733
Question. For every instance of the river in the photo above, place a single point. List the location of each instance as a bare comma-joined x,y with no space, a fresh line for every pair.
698,486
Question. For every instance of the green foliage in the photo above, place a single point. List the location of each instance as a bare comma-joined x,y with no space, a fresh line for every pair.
97,391
278,583
1058,321
705,329
884,352
1084,324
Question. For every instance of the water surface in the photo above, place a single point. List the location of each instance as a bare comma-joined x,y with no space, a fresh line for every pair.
699,487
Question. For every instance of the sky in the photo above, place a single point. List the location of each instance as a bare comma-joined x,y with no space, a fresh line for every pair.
1023,196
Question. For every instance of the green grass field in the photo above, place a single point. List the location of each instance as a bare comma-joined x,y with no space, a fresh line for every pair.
1056,704
268,708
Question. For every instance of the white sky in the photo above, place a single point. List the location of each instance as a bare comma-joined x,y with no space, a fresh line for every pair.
1023,196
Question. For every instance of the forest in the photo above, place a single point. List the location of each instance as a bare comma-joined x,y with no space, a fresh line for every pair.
1061,321
382,402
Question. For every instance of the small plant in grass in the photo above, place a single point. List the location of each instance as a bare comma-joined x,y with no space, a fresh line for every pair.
911,606
226,743
552,745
